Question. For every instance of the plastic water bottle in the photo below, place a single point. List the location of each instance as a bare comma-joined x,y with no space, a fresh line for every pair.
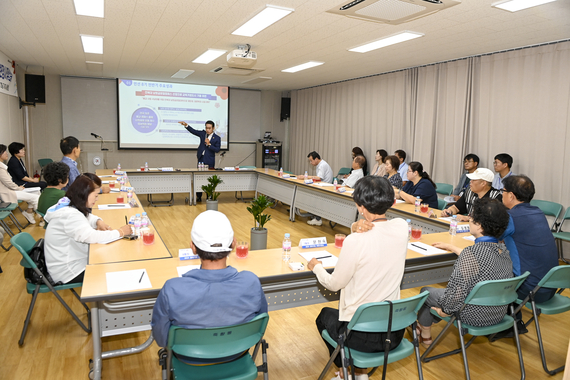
286,248
417,204
453,226
146,166
306,174
119,167
281,172
409,228
335,183
145,221
138,224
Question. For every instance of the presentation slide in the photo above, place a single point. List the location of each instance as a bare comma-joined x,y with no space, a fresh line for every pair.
149,113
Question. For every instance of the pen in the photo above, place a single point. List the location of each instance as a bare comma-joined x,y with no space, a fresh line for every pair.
417,246
126,221
142,275
323,257
116,206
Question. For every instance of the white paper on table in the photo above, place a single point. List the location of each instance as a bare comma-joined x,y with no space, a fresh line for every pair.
449,199
349,191
127,280
447,218
186,268
107,182
110,240
469,237
115,190
108,176
424,249
327,258
324,184
229,168
400,201
114,206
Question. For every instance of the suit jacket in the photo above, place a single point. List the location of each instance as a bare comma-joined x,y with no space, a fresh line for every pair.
206,154
7,187
17,171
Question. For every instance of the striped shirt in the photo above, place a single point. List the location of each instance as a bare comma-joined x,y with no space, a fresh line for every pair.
467,200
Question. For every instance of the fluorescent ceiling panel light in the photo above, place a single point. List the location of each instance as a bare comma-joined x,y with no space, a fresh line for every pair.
270,15
303,66
257,80
209,56
182,73
94,62
386,41
517,5
93,8
92,44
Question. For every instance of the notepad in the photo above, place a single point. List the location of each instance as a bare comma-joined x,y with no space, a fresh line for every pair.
470,237
110,240
424,249
186,269
328,259
128,280
400,201
324,184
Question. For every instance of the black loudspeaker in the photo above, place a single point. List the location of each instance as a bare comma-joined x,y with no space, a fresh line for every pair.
35,88
285,108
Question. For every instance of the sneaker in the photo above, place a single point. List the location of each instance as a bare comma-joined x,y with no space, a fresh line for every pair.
363,376
315,222
29,216
42,223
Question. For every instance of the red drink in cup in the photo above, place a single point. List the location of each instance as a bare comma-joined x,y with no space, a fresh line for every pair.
339,240
242,249
120,198
424,208
148,237
416,233
112,184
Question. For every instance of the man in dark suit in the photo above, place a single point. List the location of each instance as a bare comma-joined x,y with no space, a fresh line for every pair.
209,145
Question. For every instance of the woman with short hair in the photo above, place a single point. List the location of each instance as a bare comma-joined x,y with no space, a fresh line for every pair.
379,168
17,169
392,164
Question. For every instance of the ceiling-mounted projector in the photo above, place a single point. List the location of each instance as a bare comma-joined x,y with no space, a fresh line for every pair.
242,59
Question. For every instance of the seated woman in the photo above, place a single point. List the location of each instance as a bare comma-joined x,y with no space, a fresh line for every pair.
419,185
392,164
56,175
71,228
10,192
357,274
487,260
17,169
379,168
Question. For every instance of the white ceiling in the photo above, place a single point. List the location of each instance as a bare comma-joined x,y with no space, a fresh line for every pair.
153,39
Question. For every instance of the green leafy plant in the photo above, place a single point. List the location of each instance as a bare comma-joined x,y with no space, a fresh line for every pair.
210,188
256,208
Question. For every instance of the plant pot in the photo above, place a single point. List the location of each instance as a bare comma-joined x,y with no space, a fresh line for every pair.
211,205
258,239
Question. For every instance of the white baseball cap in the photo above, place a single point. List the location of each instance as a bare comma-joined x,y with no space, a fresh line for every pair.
482,173
212,232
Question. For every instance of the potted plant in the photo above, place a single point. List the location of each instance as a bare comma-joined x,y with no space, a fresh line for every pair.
210,190
259,232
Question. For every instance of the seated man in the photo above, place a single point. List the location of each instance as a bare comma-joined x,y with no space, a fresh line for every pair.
215,295
71,151
528,237
479,187
357,172
56,175
324,173
470,164
403,169
502,166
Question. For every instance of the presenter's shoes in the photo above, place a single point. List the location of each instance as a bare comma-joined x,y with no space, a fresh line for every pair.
198,199
29,216
315,222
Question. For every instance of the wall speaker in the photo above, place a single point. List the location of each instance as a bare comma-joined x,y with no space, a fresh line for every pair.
285,108
35,88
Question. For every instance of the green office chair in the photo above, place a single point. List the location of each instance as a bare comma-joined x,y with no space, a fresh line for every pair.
373,317
562,236
485,293
341,172
4,225
43,162
214,343
443,188
10,208
24,243
441,204
549,208
556,278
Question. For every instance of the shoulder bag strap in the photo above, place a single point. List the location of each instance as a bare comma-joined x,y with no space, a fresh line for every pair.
387,342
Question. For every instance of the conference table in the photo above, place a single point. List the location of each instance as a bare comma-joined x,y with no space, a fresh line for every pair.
130,310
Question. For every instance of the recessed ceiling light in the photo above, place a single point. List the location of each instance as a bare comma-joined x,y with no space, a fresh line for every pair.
303,66
93,8
182,73
209,56
386,41
517,5
271,14
92,44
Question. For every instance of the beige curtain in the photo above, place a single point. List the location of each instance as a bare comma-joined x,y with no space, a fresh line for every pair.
516,102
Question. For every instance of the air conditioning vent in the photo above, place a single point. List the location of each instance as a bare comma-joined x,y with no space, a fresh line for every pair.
235,71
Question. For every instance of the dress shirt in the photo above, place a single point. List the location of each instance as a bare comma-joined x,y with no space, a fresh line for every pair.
73,171
354,177
498,181
403,170
324,172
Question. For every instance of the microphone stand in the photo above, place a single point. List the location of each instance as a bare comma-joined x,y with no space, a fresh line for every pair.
221,158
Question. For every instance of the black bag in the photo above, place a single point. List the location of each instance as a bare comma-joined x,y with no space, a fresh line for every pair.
38,257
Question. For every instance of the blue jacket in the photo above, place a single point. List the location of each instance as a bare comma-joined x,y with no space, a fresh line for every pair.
206,154
207,298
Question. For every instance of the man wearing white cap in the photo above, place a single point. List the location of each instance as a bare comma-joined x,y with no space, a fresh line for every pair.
215,295
480,186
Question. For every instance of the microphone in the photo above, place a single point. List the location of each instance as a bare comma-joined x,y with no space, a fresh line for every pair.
223,153
96,135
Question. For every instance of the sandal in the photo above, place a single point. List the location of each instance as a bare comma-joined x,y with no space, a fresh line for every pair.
426,342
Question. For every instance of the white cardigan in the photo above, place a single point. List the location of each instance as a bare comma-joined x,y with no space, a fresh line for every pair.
67,240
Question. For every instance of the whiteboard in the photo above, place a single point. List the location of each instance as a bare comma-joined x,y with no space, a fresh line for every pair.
89,105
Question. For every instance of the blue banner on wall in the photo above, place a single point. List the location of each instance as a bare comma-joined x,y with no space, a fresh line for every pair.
7,76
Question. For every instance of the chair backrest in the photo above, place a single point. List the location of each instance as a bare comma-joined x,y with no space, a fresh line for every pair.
373,317
24,242
496,292
441,204
548,208
218,342
556,278
443,188
343,171
44,161
566,216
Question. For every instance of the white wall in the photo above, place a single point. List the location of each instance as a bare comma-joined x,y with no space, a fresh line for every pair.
11,124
